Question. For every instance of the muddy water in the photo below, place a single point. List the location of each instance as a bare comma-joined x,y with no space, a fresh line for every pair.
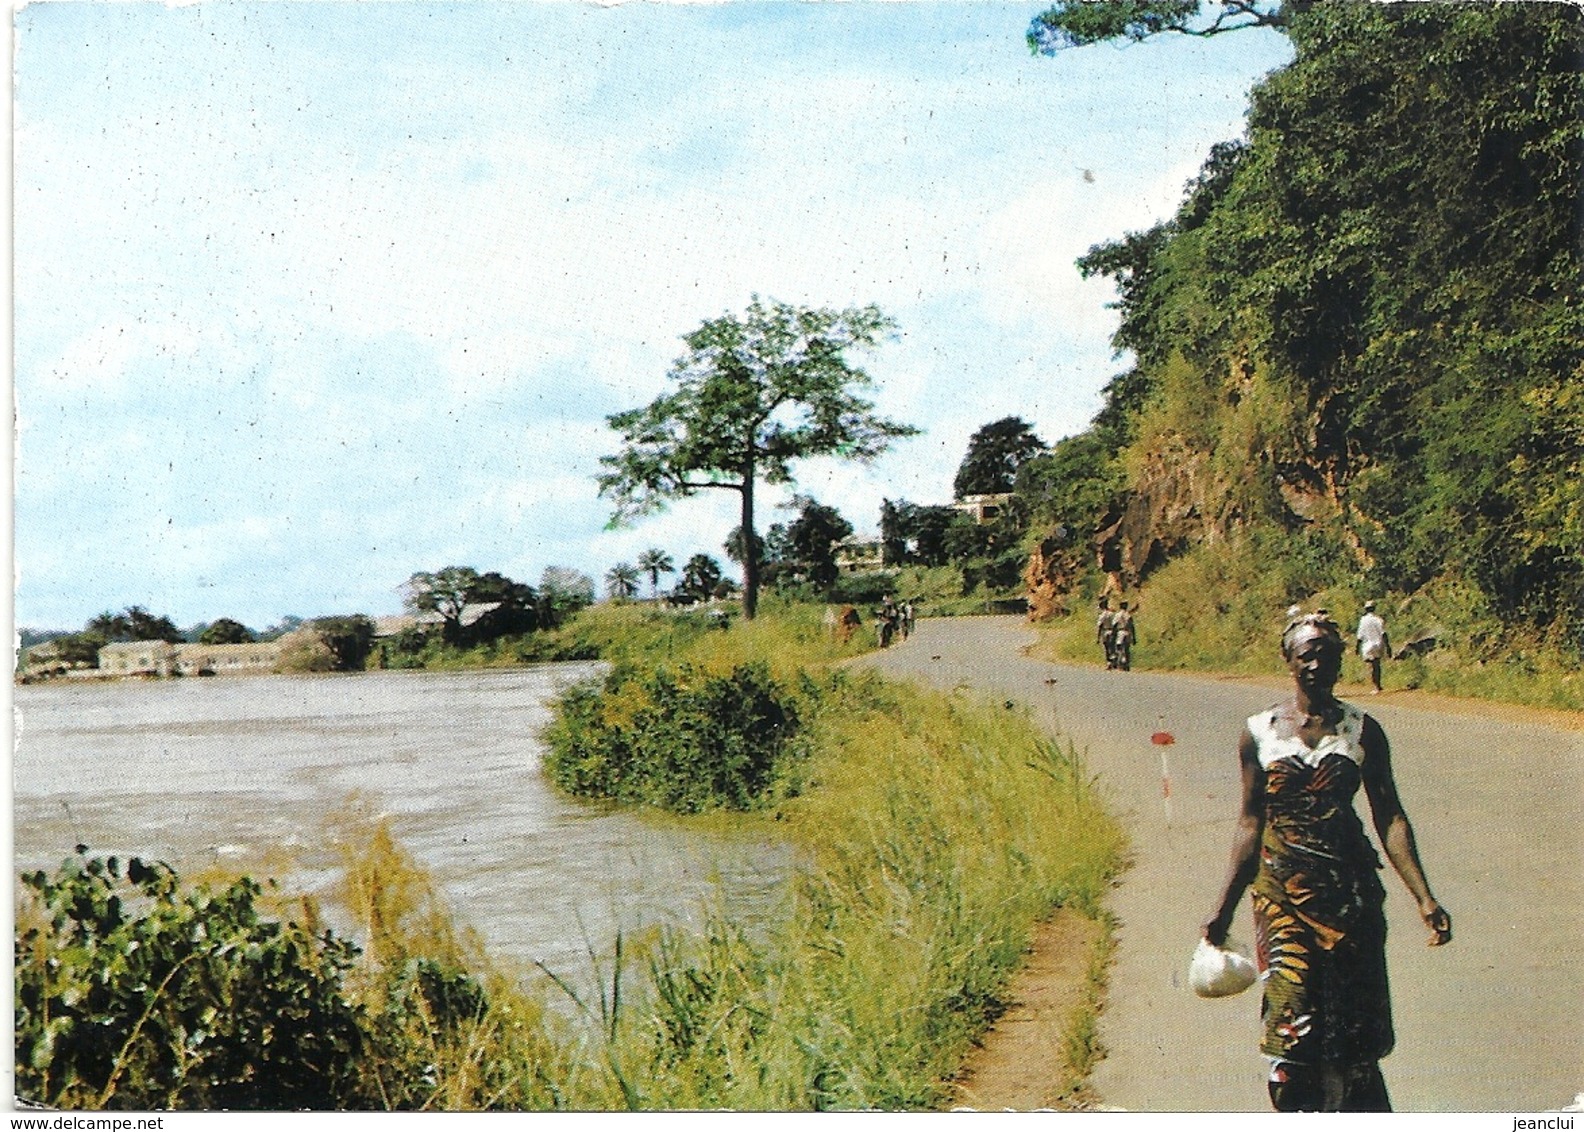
250,772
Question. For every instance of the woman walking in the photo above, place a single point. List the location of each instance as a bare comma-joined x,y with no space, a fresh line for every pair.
1319,920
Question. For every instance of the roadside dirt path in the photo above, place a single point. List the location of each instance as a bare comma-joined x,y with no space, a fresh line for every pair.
1490,1024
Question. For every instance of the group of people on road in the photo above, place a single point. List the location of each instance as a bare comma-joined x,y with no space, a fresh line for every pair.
1116,633
893,620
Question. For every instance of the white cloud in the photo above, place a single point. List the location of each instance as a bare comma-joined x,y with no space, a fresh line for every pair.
103,359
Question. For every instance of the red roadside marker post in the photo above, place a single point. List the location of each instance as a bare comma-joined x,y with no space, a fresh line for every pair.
1164,739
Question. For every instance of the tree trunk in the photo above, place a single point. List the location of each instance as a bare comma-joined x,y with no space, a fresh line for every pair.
750,544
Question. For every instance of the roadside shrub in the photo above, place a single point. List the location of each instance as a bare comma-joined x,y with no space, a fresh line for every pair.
864,589
682,738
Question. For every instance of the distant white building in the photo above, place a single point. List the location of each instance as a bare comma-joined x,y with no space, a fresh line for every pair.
860,555
983,508
161,658
227,660
138,658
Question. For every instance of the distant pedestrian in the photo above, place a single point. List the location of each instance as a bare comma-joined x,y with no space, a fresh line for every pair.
1373,644
907,619
1103,632
1123,634
886,619
847,624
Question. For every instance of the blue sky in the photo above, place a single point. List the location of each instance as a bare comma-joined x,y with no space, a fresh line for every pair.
311,296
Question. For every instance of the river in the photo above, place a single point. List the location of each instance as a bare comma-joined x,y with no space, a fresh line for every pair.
251,773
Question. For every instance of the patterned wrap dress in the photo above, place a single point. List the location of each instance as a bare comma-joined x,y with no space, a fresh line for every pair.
1319,915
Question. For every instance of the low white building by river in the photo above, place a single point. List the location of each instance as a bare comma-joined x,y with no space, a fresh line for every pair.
161,658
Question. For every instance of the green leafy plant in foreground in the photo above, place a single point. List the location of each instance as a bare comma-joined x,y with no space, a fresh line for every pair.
137,991
134,994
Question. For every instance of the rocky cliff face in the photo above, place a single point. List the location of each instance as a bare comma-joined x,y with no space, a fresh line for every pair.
1165,514
1177,502
1052,574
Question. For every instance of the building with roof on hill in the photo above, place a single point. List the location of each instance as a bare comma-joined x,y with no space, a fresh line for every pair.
983,509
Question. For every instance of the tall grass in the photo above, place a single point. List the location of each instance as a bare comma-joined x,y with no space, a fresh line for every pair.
1220,608
939,833
936,832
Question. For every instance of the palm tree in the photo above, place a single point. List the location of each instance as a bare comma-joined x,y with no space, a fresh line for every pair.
621,581
655,562
700,577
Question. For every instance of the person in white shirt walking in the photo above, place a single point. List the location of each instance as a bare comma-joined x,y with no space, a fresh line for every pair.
1372,643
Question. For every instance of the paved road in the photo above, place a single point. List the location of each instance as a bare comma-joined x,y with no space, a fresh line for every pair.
1492,1023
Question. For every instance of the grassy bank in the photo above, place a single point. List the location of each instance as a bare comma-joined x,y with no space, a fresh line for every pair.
936,833
1221,609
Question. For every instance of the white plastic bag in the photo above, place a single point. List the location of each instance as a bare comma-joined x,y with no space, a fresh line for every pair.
1215,972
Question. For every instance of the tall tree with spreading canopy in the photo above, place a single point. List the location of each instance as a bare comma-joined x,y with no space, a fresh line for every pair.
754,393
445,591
995,453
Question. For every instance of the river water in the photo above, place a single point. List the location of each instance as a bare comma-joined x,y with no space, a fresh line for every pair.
250,773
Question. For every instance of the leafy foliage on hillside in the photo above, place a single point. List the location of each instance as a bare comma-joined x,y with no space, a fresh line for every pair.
1366,314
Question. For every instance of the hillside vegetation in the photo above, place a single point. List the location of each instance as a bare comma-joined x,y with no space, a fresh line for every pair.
1356,365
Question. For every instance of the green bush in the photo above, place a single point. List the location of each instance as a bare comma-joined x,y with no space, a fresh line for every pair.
683,738
132,994
864,589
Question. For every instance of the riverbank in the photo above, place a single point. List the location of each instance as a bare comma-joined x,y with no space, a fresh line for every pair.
939,832
928,836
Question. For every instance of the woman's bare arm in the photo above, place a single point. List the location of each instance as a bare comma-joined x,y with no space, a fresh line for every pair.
1245,842
1396,832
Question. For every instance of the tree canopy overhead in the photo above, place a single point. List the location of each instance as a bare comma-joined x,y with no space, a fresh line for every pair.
1078,23
754,394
